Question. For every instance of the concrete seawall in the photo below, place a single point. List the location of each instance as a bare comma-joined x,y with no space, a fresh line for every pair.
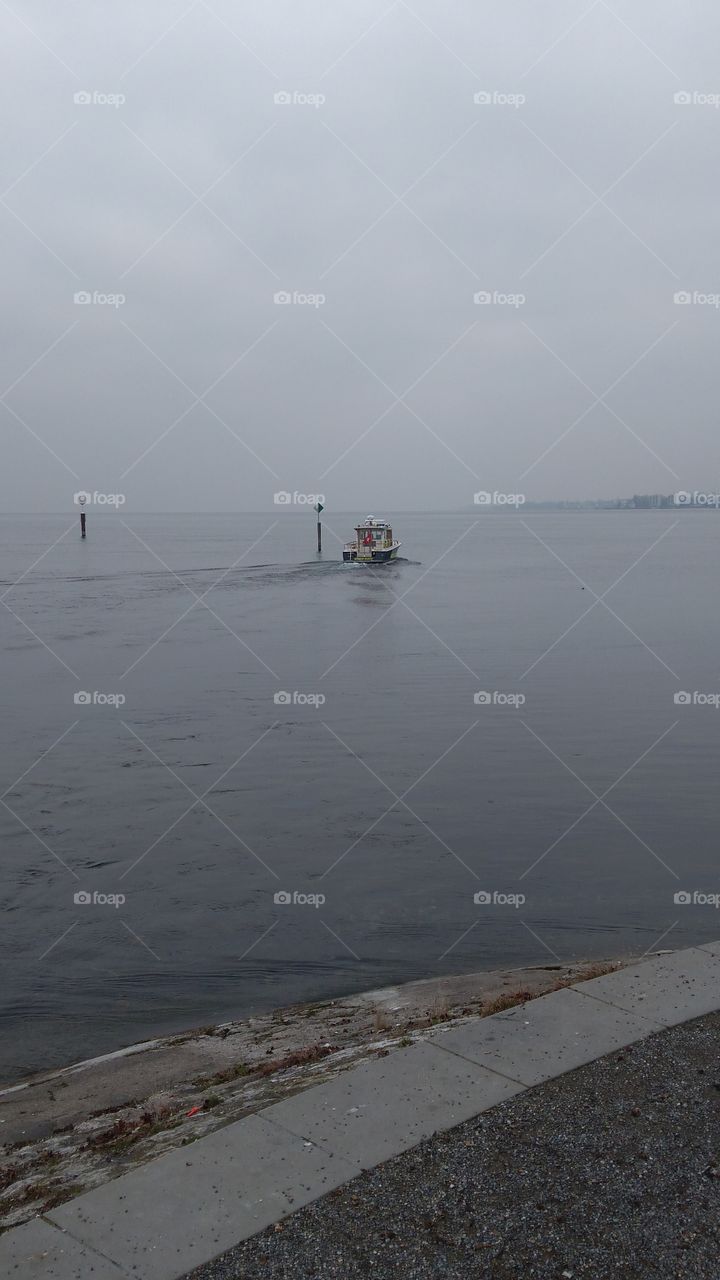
65,1131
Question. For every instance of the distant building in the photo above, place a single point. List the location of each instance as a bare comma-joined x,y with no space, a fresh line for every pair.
645,501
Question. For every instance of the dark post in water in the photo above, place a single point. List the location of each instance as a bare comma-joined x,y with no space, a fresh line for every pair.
82,517
319,508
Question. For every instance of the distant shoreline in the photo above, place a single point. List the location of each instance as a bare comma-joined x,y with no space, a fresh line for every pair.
539,508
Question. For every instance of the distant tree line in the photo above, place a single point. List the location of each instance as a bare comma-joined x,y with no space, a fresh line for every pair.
638,502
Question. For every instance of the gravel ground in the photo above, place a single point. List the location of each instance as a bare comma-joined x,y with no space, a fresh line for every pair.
610,1171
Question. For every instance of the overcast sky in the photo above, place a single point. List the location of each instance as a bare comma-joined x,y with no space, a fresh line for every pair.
387,195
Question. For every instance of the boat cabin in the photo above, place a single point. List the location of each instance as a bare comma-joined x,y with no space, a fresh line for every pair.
374,541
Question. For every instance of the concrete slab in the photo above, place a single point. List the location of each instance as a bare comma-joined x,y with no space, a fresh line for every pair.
37,1251
384,1107
167,1217
544,1038
163,1219
666,989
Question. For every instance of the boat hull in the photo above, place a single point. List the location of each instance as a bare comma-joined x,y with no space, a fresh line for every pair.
381,556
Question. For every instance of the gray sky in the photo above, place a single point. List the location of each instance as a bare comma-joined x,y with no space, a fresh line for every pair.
397,199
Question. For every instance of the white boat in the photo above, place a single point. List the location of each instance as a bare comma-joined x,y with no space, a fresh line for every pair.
374,543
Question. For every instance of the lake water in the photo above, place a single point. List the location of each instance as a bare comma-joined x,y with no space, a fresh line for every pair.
499,798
